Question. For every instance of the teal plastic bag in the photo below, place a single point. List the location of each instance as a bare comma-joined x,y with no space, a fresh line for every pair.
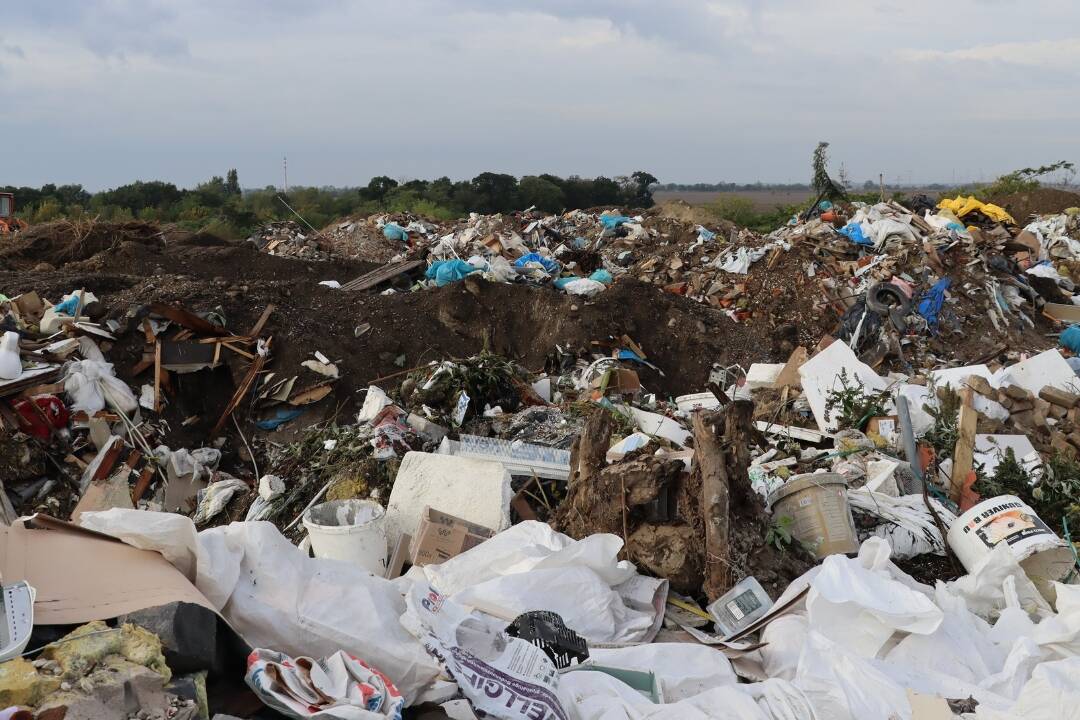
393,231
602,276
444,272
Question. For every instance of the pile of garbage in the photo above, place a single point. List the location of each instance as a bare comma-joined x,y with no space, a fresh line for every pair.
286,238
879,523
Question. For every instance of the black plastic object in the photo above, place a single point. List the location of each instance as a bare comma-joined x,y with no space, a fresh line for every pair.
547,631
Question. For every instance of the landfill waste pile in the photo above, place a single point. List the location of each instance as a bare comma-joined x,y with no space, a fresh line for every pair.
286,238
603,464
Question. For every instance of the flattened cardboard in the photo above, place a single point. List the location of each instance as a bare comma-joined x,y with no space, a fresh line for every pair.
81,575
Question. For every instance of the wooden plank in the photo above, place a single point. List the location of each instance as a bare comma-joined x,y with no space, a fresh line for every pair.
381,275
242,390
141,485
963,453
148,331
238,351
261,322
186,318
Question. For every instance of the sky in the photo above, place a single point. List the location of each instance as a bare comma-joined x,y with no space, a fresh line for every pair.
104,92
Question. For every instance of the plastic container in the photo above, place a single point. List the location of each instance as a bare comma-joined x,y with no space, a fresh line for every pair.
546,630
349,530
818,505
1006,518
10,364
736,609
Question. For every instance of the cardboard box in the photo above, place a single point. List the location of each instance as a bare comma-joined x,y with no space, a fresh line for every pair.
619,380
81,575
441,537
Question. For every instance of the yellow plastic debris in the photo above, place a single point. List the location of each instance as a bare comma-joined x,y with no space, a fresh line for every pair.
961,206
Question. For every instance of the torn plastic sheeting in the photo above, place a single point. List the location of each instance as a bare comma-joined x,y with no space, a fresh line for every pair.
338,687
393,231
279,418
906,523
841,685
1052,693
854,232
275,596
215,496
932,300
740,260
533,567
533,258
861,602
820,375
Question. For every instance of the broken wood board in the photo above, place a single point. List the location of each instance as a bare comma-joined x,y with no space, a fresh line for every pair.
186,318
1062,312
381,275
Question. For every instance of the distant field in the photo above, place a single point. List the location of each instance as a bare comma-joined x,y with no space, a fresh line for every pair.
763,199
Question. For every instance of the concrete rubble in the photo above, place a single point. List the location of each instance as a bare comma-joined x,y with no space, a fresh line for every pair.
598,464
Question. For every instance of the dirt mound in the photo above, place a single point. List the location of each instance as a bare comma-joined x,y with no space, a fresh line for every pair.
62,242
1037,202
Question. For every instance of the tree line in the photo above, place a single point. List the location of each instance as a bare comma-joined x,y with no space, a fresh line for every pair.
220,205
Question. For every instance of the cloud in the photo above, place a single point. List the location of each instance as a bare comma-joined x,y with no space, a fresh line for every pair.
1064,54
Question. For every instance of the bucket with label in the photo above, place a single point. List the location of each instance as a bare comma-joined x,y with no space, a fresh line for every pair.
349,530
817,503
1007,519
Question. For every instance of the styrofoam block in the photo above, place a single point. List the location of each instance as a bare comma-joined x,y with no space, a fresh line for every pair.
474,490
763,375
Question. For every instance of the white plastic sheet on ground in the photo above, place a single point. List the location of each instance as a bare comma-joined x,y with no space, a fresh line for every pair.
820,375
532,567
276,597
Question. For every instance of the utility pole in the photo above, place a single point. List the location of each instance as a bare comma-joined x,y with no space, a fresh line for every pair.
285,174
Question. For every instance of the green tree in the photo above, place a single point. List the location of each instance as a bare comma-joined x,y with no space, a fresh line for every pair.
232,182
378,188
544,194
496,192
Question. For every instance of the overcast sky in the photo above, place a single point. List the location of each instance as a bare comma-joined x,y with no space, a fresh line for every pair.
103,92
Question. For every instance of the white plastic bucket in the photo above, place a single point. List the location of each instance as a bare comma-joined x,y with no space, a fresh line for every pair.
349,530
1006,518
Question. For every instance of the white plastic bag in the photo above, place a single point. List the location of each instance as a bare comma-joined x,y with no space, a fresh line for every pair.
584,287
91,384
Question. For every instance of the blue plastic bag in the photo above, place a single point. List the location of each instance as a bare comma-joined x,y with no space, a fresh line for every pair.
602,276
610,222
547,263
854,232
704,234
393,231
1070,338
444,272
931,302
68,307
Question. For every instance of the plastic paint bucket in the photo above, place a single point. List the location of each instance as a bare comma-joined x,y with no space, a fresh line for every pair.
349,530
818,505
1006,518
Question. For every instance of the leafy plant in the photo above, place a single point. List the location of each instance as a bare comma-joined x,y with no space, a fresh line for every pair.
1057,496
1009,478
945,430
854,403
824,185
779,533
